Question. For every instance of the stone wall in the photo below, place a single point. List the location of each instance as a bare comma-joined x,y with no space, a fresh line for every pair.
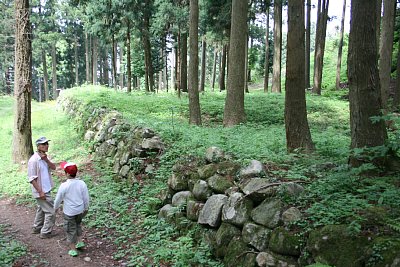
129,151
247,222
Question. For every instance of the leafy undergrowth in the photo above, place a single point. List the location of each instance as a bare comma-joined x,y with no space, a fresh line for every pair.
10,250
124,213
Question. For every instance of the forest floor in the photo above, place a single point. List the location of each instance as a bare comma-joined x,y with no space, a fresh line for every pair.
18,219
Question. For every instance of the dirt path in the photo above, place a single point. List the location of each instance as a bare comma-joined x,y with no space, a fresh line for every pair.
53,251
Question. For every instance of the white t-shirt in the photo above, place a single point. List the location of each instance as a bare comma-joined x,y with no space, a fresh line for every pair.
75,195
45,176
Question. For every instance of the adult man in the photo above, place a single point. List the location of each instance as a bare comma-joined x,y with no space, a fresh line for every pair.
39,176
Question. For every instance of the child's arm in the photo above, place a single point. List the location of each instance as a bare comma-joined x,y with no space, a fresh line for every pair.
59,197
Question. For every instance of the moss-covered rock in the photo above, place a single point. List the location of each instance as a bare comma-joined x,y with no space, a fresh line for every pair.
333,245
237,209
226,232
384,252
284,242
238,254
270,259
228,168
207,171
256,235
268,213
219,183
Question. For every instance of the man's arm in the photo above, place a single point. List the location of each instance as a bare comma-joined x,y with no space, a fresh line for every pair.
44,157
37,187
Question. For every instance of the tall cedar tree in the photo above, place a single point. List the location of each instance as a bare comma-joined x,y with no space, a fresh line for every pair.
319,52
234,102
22,137
386,48
364,96
266,64
194,104
277,61
340,50
298,134
308,44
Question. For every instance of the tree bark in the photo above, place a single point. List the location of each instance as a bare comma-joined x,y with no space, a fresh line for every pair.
234,112
114,62
203,64
194,103
128,58
214,72
54,70
147,55
45,76
87,57
246,66
339,59
106,67
183,60
222,69
22,134
396,98
386,48
76,61
298,136
94,60
320,45
266,64
364,94
121,69
308,44
277,61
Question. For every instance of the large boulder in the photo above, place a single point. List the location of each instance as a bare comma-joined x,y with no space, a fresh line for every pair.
214,154
285,242
291,215
237,210
180,199
258,189
201,190
384,252
207,171
270,259
268,213
211,212
178,182
327,243
256,236
224,235
219,184
239,254
254,169
193,210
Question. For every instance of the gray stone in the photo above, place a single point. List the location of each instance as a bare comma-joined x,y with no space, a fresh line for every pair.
193,210
256,236
258,189
237,209
284,242
125,158
219,184
270,259
207,171
291,215
214,154
224,235
89,135
254,169
181,198
178,182
211,212
124,171
148,133
201,191
268,213
293,189
153,143
149,168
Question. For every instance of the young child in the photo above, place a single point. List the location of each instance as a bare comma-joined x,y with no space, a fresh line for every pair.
75,195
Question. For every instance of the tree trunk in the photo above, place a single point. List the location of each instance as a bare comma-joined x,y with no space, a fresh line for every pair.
54,70
364,86
276,69
320,45
45,76
76,61
147,55
246,66
128,58
386,48
106,68
114,62
94,60
222,69
308,44
339,59
22,134
378,23
396,98
234,112
87,57
214,71
203,64
194,103
183,61
298,134
121,69
266,64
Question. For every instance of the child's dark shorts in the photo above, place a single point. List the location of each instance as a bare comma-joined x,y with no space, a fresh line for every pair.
72,227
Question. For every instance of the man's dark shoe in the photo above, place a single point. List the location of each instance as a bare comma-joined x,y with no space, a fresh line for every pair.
47,235
35,231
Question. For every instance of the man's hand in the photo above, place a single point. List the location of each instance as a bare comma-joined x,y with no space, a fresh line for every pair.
43,155
42,195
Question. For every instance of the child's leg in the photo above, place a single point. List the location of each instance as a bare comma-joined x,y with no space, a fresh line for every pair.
70,228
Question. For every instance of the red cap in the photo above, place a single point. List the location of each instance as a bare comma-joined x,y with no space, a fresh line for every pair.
69,167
